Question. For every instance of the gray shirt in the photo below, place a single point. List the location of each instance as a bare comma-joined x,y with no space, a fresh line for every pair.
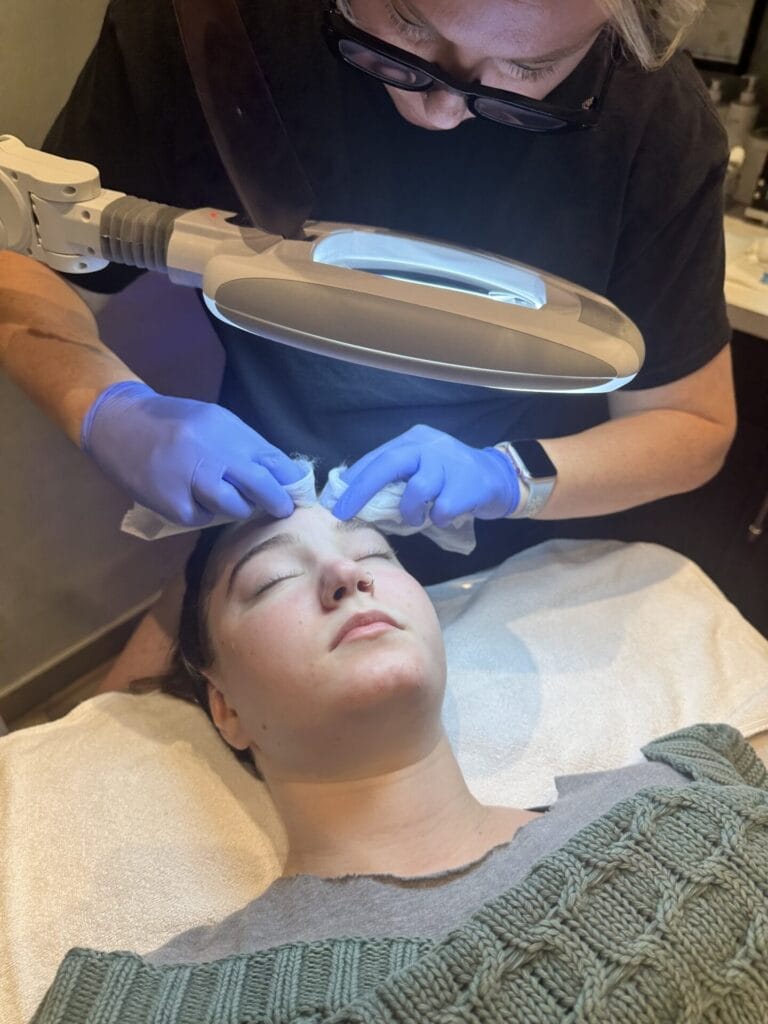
305,908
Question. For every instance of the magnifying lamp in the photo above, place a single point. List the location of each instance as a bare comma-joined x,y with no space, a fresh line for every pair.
350,292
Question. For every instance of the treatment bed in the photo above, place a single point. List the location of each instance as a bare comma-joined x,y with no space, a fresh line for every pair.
128,821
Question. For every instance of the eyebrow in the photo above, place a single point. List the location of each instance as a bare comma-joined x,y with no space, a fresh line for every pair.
285,539
564,51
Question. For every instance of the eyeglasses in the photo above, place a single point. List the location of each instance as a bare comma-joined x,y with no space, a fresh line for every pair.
403,70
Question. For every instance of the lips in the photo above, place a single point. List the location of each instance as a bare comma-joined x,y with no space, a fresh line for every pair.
361,620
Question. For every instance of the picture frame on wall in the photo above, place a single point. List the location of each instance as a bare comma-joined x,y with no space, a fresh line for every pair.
724,37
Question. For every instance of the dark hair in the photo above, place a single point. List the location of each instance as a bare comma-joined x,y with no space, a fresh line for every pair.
193,651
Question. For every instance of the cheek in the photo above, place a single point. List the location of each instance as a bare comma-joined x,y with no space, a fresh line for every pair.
422,616
264,658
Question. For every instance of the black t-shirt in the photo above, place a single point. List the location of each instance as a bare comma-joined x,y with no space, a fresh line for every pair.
631,209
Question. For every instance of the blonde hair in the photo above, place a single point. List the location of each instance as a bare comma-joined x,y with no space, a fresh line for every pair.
651,30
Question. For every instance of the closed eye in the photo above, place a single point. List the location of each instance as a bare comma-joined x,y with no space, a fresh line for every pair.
275,579
524,72
378,553
409,29
279,577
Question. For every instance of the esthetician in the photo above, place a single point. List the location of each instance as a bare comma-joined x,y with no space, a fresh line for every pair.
437,123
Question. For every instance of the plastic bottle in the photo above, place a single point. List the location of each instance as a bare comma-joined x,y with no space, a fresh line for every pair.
742,114
754,163
716,95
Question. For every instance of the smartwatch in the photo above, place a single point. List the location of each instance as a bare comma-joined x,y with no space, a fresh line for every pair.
535,470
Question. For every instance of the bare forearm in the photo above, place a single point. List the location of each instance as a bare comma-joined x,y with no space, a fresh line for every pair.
633,460
50,345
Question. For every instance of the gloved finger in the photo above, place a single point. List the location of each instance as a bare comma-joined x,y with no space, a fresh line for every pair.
284,469
183,510
260,488
421,490
457,498
399,463
210,489
193,516
351,473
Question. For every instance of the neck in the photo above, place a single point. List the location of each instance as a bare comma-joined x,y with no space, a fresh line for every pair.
418,819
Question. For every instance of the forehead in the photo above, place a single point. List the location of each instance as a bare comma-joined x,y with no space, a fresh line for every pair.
312,527
522,26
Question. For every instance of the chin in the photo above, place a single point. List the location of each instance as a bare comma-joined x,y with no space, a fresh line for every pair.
392,682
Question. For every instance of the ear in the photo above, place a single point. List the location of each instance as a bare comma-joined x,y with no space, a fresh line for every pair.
226,719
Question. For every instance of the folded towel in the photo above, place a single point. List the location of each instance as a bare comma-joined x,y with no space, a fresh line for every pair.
145,524
383,510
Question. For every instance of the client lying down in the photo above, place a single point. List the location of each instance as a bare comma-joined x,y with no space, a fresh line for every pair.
639,895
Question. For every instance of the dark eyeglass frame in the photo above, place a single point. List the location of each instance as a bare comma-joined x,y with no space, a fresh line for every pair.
337,29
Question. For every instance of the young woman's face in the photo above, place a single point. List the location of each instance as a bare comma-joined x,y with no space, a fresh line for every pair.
523,46
319,673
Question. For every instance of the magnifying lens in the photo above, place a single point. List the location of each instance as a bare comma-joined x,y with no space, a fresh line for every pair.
375,297
345,291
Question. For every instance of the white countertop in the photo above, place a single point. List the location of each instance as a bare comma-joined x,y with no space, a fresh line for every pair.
747,305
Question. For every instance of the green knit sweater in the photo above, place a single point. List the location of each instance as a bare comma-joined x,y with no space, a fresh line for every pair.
656,912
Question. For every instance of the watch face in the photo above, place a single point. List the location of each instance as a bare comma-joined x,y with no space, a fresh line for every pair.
536,460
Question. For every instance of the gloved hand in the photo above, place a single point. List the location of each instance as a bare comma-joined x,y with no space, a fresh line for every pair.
185,459
441,472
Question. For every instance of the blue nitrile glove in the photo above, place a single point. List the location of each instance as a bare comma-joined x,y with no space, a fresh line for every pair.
185,459
445,479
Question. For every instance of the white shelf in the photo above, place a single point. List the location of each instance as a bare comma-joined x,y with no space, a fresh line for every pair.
747,306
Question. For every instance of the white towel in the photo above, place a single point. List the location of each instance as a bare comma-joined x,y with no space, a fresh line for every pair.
146,524
570,656
383,510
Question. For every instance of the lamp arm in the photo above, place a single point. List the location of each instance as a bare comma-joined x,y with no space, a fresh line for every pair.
56,211
357,293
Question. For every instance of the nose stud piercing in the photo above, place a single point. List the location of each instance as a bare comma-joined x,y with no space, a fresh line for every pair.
366,583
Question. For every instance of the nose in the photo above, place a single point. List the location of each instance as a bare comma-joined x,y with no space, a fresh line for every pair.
444,109
342,580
